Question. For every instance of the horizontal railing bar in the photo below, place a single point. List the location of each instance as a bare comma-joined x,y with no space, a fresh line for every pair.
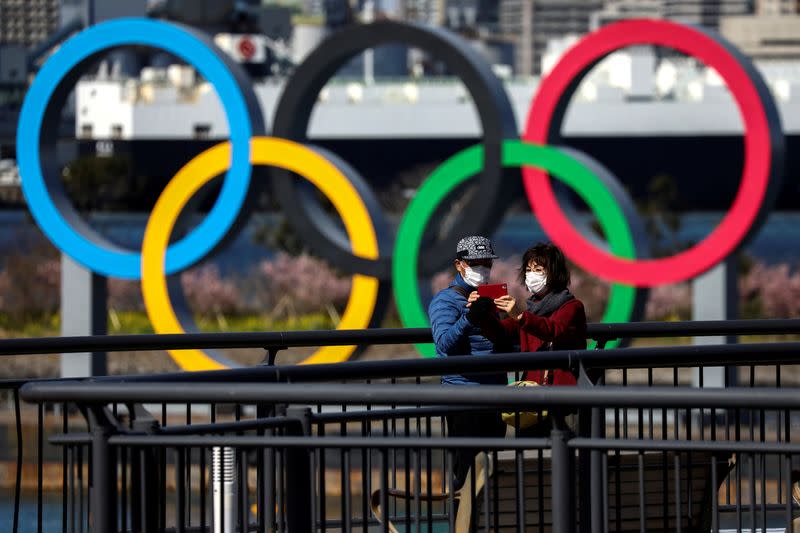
694,328
328,442
483,396
388,414
724,508
451,442
17,383
654,357
71,438
357,522
285,339
223,427
598,331
194,529
759,447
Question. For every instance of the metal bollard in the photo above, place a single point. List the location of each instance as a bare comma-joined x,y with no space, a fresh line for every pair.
223,483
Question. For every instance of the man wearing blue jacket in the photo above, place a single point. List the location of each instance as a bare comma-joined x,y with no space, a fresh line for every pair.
454,335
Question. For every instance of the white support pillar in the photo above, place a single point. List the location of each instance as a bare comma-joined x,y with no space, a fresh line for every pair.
715,296
83,312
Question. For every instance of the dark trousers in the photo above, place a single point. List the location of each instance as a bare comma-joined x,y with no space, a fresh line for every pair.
487,424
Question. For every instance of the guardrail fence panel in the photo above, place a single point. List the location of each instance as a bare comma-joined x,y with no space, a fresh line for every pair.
364,446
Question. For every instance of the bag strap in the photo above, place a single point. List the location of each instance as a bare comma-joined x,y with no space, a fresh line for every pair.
548,376
461,290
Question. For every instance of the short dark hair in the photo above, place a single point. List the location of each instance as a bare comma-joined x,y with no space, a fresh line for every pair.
552,259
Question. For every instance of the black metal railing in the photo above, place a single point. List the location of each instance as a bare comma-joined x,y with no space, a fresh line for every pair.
602,333
634,470
752,490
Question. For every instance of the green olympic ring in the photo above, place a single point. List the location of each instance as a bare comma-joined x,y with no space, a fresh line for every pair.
516,153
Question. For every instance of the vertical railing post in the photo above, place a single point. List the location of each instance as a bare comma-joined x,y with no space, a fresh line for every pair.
591,422
136,492
18,479
144,475
104,472
266,468
563,479
596,499
148,495
298,484
265,490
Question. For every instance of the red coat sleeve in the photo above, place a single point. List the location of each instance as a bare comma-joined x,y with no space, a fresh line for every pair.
502,333
567,323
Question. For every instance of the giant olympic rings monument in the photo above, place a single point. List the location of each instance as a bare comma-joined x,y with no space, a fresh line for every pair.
384,261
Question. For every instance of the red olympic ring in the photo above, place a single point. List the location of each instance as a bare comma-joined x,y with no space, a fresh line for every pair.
761,149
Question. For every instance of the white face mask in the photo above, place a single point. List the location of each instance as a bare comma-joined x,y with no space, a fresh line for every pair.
535,282
475,276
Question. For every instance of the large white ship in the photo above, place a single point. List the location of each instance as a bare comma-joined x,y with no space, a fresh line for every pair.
629,94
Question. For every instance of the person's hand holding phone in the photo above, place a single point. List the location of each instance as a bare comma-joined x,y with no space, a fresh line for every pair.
509,305
479,309
472,297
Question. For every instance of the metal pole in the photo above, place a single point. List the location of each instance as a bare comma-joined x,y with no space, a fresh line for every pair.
598,431
590,461
223,482
104,483
266,475
298,482
144,475
562,480
137,491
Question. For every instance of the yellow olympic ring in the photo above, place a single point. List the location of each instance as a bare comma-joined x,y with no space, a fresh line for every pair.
263,151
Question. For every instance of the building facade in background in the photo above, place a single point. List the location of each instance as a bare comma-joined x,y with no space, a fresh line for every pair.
706,13
773,34
535,22
616,10
777,7
28,22
424,11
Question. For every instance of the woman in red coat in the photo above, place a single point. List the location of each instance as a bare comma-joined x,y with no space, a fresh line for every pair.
551,319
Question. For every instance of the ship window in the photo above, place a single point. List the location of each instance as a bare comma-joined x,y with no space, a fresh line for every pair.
202,131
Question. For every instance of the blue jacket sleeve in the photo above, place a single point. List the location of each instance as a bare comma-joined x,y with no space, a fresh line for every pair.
449,326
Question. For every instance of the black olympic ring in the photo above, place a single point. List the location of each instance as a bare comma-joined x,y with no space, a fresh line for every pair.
482,213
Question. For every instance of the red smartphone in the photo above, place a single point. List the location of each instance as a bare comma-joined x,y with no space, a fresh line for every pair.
493,291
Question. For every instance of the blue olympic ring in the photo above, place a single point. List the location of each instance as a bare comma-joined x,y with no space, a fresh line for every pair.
83,244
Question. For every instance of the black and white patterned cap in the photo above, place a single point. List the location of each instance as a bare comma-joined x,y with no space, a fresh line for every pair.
475,247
